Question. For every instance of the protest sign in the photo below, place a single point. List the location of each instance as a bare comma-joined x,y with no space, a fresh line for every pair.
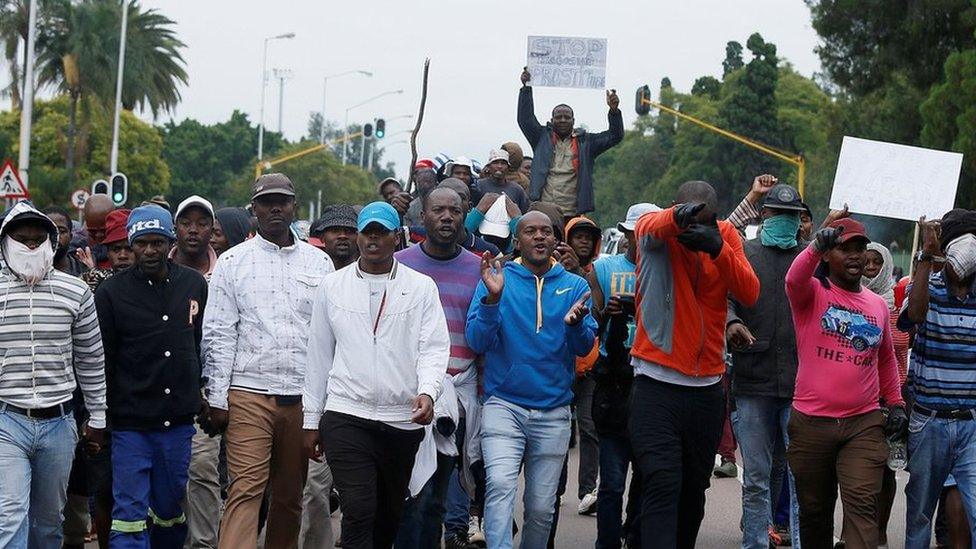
896,181
567,62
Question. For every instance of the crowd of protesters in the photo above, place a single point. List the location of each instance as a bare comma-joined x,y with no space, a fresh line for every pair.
194,377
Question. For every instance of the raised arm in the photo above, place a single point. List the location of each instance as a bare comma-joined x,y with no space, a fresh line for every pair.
528,123
918,295
615,134
219,343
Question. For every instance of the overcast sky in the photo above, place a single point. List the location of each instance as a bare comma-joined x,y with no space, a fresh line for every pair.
477,49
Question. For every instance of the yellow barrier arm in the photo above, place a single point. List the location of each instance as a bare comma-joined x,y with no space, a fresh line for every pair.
268,164
794,159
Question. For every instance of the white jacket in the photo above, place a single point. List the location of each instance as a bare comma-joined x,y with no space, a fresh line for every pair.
353,370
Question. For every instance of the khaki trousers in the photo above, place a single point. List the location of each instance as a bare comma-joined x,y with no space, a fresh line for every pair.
264,444
826,452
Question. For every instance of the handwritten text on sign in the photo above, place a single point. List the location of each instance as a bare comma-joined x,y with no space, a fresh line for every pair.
568,62
896,181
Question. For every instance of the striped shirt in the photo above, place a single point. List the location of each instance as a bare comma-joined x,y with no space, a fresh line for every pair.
942,373
456,280
49,335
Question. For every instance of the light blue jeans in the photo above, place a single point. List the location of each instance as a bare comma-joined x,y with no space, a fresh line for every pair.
510,436
35,461
936,448
757,422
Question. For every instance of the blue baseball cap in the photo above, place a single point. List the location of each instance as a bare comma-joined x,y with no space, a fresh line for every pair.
378,212
150,219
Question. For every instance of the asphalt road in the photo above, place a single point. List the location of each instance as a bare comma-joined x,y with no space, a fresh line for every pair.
720,528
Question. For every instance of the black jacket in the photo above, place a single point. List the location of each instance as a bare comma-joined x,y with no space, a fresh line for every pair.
767,367
591,145
151,335
613,376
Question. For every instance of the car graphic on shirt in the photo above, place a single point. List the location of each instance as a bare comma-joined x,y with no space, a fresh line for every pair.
853,327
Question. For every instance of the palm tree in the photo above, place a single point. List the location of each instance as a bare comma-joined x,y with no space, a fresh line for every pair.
13,38
82,60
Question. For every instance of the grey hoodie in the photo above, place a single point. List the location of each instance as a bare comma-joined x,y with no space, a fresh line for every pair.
48,336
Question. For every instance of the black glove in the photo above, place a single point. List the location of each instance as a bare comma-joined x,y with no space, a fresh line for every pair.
896,427
684,214
826,238
702,237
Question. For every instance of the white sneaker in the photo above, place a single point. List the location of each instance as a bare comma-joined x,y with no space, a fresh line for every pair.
587,505
476,536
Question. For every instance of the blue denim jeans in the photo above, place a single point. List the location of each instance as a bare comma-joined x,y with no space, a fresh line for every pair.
35,462
150,470
936,449
616,458
758,421
423,516
510,436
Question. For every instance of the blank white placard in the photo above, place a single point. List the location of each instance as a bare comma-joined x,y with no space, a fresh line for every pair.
896,181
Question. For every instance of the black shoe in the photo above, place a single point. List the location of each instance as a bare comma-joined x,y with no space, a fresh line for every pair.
458,540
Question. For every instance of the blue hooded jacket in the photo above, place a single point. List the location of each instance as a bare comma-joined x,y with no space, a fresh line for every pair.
529,351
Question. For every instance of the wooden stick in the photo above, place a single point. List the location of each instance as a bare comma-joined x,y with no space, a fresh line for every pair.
416,128
911,258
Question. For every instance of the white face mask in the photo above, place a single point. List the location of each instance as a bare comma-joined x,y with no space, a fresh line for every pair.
30,265
961,255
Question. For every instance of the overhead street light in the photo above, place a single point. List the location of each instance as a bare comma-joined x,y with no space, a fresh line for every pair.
264,84
325,83
345,126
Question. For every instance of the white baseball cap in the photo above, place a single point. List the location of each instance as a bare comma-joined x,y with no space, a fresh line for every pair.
195,200
496,220
634,213
497,154
459,161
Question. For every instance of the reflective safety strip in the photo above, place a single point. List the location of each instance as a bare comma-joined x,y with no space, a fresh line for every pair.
166,523
129,526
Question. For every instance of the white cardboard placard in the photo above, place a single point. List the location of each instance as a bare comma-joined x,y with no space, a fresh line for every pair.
567,62
896,181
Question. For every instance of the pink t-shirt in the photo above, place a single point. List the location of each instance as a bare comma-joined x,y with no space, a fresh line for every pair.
843,342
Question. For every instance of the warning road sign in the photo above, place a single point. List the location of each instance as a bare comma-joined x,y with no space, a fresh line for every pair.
10,184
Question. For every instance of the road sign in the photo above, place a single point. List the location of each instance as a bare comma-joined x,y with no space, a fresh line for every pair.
10,184
79,197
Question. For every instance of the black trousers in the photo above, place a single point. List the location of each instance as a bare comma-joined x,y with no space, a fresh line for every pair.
675,431
371,464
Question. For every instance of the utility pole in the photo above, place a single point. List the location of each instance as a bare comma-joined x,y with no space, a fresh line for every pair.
264,84
281,75
114,161
27,104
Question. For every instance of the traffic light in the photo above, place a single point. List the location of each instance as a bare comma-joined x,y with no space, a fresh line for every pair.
120,189
100,187
640,103
380,128
367,130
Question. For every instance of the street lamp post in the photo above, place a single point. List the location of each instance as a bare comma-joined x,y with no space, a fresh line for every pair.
27,103
325,83
345,127
114,159
264,84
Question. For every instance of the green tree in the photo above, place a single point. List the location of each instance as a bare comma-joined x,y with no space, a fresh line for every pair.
949,116
863,42
140,153
733,58
208,159
82,60
310,174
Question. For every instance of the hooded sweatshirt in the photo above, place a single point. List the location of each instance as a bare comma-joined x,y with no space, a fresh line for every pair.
515,157
49,336
584,223
529,358
236,224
